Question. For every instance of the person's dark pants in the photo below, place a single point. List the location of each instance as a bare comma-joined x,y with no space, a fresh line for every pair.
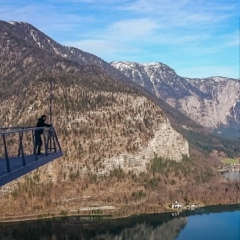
39,142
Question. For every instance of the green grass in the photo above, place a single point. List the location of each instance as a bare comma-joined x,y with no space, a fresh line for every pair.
231,160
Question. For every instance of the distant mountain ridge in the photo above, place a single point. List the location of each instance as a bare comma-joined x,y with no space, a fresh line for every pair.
213,102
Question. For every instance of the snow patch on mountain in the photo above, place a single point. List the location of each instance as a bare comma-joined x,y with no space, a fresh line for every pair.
212,102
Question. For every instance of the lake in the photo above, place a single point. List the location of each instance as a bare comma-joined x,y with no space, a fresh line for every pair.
232,175
210,223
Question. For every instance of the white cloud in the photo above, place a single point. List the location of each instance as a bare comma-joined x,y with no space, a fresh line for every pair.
129,29
120,37
229,40
185,12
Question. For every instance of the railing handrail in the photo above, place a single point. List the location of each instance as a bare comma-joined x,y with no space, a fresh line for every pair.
24,130
4,128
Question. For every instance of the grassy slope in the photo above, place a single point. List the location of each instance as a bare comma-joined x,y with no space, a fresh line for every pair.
231,161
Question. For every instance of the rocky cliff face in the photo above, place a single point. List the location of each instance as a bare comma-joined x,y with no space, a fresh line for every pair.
166,143
213,102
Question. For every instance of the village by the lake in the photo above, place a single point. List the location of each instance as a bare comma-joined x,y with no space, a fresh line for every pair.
230,165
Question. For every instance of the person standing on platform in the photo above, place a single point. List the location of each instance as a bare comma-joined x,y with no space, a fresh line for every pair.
39,132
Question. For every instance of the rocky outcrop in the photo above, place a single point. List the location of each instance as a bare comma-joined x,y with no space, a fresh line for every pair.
166,143
218,107
213,102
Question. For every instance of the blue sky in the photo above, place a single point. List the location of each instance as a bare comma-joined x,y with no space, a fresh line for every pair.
197,38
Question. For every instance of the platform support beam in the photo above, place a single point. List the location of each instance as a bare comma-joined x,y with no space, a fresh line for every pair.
6,153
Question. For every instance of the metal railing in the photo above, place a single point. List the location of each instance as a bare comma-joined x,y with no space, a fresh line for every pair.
20,142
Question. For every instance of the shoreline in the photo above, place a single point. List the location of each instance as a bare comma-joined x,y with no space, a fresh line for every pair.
95,217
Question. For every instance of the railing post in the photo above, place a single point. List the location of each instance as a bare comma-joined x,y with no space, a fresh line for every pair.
21,147
51,140
34,145
45,142
6,153
55,135
54,140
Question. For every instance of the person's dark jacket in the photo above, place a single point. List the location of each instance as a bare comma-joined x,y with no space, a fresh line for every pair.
41,123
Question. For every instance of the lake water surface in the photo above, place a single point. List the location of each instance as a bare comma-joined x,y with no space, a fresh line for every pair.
210,223
214,226
232,176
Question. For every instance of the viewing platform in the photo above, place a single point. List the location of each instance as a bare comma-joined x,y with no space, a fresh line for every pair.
18,154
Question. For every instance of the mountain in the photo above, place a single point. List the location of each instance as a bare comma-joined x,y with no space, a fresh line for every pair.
87,98
122,146
101,120
29,56
39,40
213,102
